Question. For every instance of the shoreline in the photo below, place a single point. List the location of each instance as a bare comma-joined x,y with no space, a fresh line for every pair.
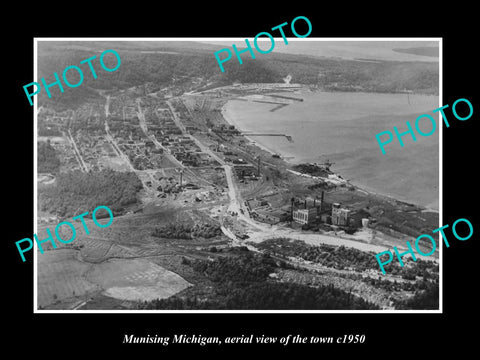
366,189
286,158
232,121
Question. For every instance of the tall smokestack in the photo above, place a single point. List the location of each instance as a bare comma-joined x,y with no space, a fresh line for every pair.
305,203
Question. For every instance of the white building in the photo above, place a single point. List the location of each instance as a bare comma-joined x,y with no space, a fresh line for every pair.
304,216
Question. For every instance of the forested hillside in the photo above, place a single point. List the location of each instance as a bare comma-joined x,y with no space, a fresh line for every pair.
243,283
179,65
47,159
76,192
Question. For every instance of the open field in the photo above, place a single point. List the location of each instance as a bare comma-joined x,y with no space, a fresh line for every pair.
64,279
122,262
115,163
61,278
136,279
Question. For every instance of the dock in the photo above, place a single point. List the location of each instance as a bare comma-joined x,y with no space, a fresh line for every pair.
288,137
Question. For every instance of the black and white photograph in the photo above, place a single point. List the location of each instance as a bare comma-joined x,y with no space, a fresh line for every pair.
256,186
212,178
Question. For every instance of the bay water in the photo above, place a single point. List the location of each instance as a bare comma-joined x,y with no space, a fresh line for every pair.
341,127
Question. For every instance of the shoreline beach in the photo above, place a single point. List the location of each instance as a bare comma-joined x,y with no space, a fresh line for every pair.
231,121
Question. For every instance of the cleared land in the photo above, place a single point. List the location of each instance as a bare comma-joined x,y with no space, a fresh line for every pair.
136,279
61,278
123,262
65,278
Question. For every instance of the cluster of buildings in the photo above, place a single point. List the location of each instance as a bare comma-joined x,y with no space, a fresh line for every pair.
308,211
125,130
184,115
243,169
143,153
182,147
164,126
261,210
93,146
246,172
317,211
223,129
131,140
